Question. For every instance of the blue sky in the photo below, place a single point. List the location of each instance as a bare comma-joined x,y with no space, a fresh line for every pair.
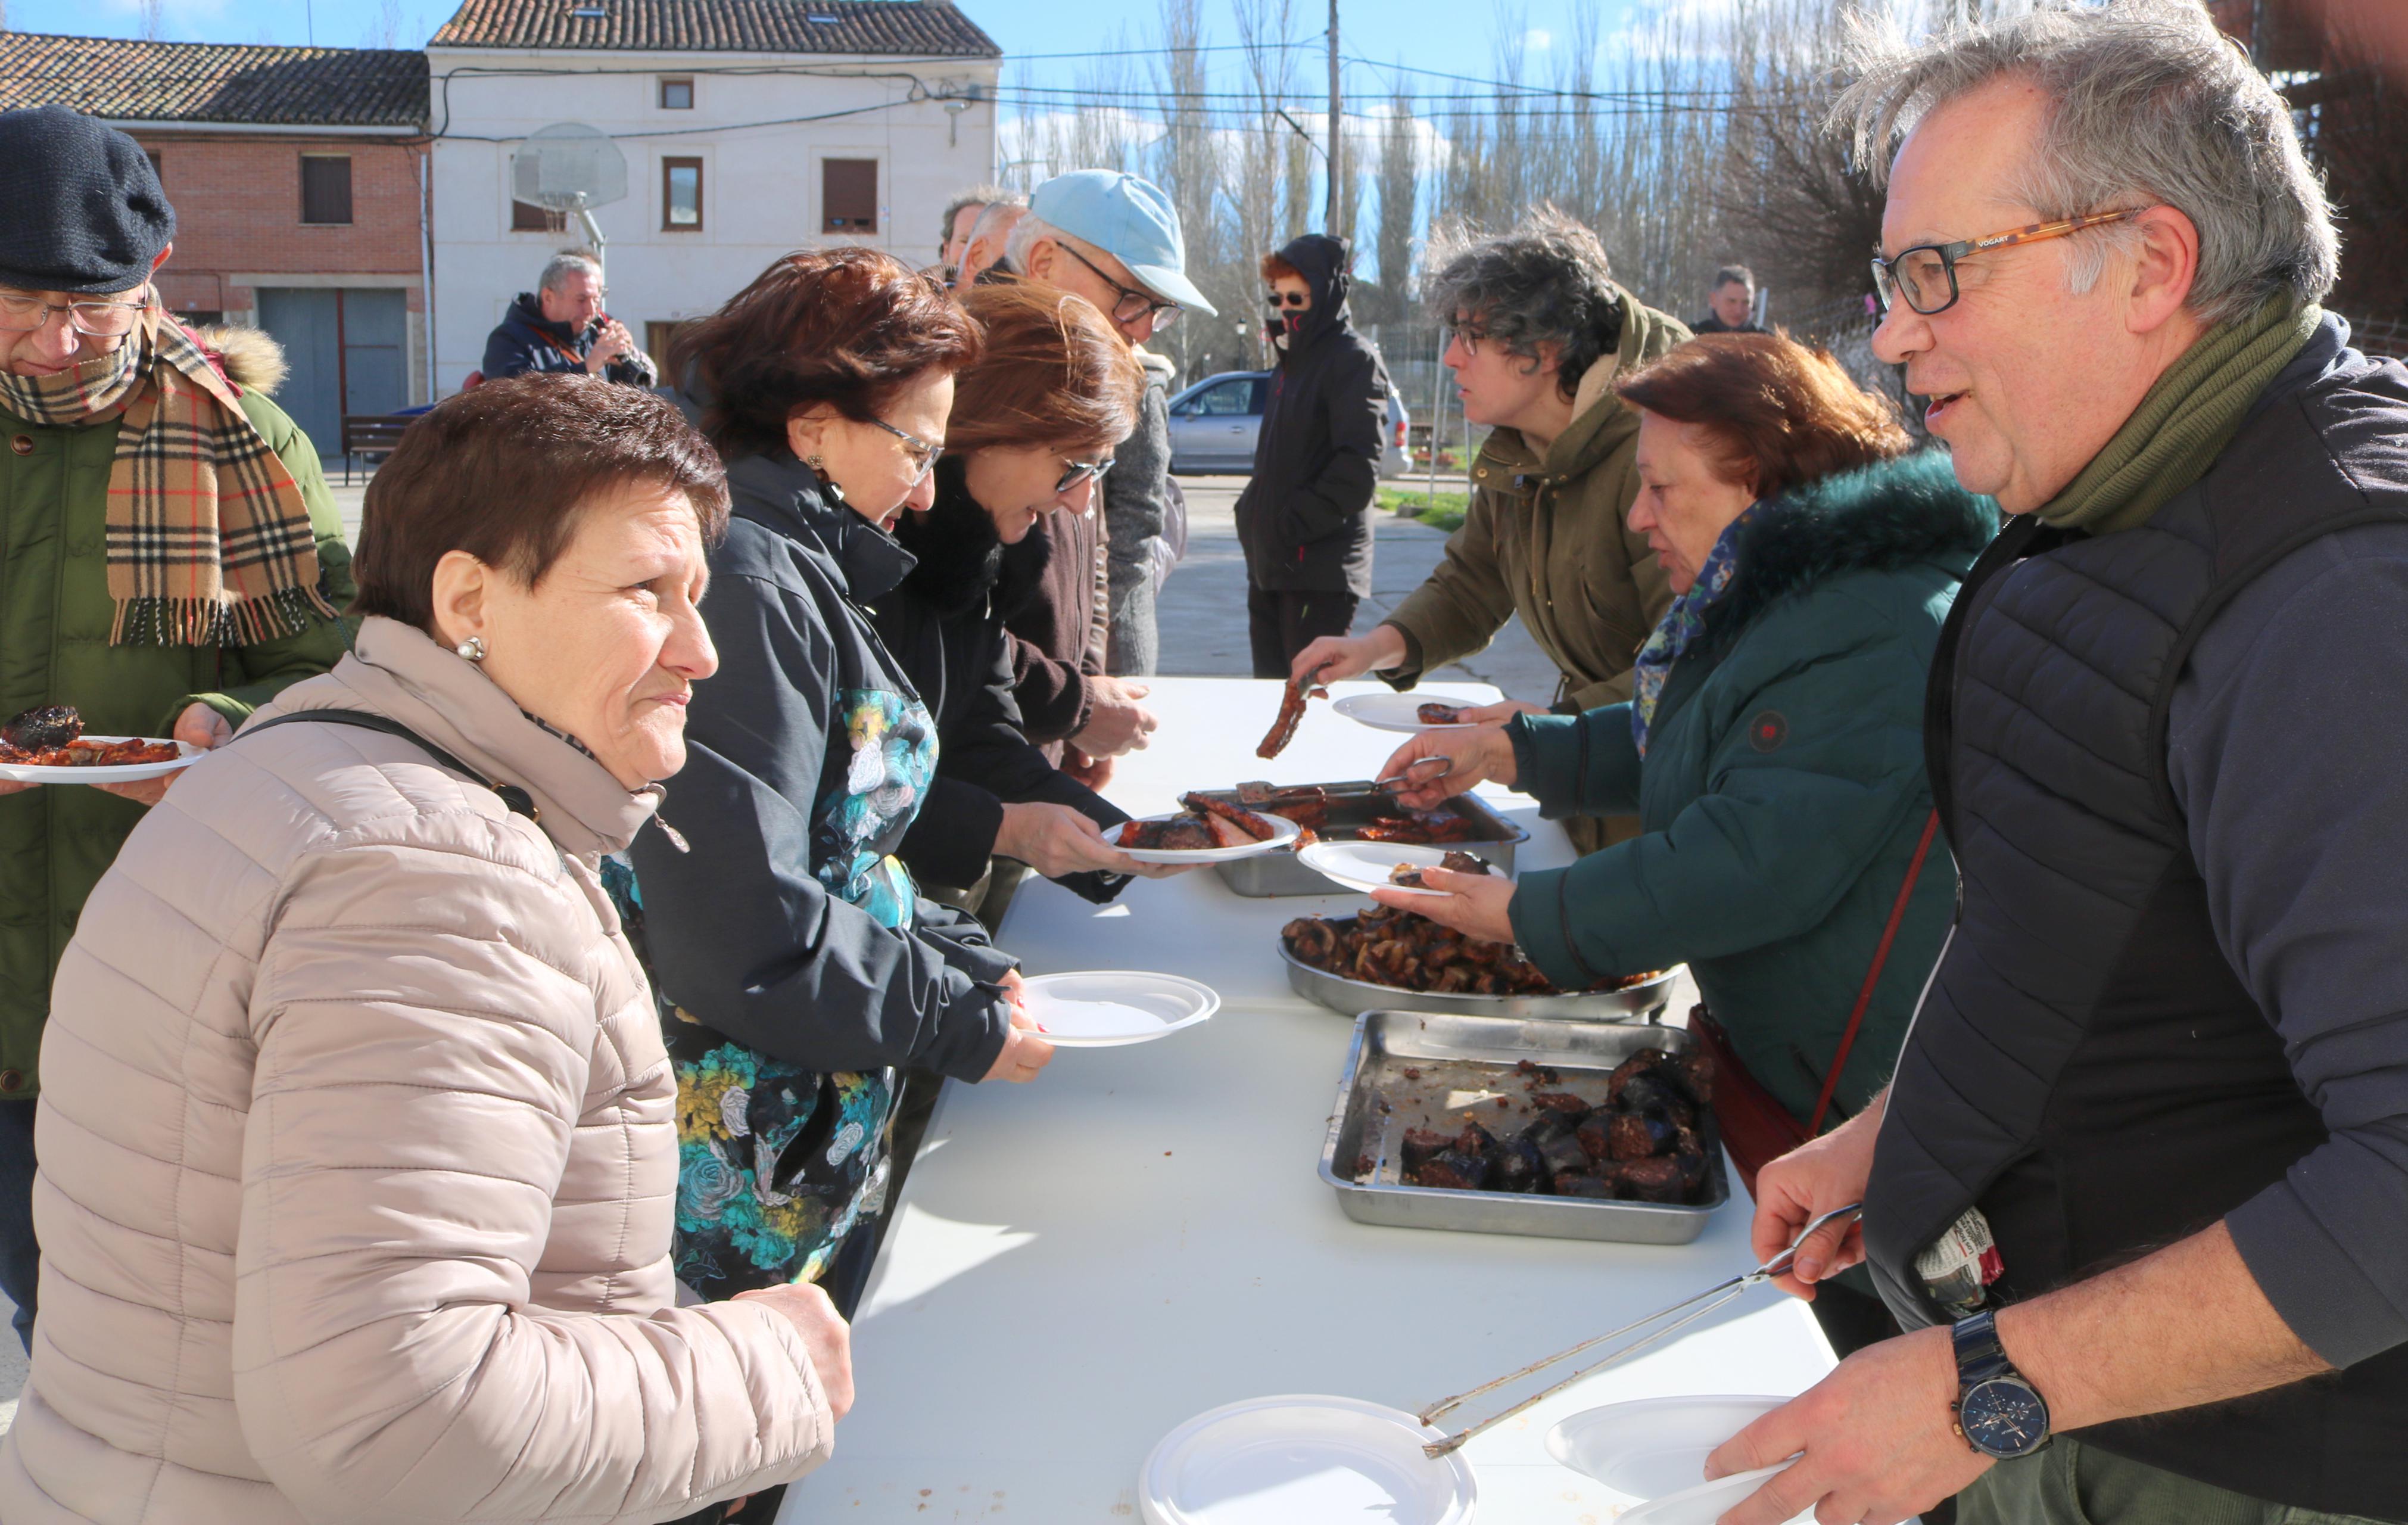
1448,35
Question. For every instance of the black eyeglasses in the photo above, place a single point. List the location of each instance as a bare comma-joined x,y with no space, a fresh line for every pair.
1079,472
923,454
1290,298
1467,335
1133,303
1926,275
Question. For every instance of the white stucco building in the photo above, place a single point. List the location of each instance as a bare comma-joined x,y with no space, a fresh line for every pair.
750,128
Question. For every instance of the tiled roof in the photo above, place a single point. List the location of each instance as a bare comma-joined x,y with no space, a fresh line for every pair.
126,80
922,28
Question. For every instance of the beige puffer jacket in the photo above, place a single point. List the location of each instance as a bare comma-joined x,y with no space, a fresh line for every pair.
358,1166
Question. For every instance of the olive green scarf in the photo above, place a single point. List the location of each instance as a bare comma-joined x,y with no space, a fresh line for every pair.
2185,421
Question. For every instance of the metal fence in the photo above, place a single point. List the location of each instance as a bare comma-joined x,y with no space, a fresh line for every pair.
2380,336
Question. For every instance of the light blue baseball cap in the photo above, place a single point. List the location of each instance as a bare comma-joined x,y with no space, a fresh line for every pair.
1129,219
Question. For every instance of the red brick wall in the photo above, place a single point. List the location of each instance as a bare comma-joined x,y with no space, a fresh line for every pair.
238,203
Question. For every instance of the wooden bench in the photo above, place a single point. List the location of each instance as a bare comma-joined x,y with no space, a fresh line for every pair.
372,434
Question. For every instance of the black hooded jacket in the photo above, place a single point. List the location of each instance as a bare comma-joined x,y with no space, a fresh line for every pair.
526,341
1305,518
751,929
944,623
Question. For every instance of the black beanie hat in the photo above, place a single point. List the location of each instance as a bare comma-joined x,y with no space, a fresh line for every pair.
85,210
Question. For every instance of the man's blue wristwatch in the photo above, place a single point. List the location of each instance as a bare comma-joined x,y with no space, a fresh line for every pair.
1999,1413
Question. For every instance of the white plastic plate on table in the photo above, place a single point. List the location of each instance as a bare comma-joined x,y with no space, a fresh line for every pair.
1284,832
1654,1450
1400,712
1110,1007
1304,1460
1365,865
186,755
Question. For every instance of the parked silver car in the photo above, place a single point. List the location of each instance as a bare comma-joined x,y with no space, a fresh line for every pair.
1214,424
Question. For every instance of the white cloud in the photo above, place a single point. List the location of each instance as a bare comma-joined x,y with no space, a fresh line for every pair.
1538,39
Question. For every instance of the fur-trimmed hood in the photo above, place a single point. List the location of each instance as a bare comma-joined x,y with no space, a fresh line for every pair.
250,358
1875,518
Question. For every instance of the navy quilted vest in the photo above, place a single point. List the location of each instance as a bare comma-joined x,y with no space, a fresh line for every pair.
2087,1066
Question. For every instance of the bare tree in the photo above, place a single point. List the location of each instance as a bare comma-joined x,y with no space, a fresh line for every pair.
153,22
1400,182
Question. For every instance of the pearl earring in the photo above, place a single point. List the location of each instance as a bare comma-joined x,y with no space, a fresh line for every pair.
473,648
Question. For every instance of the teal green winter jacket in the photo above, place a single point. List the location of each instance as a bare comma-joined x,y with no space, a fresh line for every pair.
1782,792
56,612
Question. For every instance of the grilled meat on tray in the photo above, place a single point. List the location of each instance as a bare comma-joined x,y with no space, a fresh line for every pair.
1644,1145
1386,946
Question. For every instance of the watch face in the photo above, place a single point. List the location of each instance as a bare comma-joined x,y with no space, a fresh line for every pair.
2004,1417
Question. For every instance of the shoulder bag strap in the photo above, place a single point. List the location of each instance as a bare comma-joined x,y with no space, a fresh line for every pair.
1872,976
516,799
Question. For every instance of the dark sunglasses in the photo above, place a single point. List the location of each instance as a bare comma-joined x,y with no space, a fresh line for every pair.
1079,472
1290,298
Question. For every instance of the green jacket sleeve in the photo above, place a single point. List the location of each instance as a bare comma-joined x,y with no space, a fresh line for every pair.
1463,603
1577,765
258,673
1779,833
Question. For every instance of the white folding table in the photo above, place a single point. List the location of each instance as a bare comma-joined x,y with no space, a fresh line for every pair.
1078,1265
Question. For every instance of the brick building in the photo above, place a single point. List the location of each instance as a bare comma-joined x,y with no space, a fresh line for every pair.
298,176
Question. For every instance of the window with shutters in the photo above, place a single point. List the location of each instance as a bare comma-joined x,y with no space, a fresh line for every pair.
526,217
677,94
681,196
326,188
848,195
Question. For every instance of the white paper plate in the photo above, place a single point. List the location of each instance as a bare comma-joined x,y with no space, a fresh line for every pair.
1400,712
1284,833
1107,1008
186,755
1706,1502
1654,1451
1304,1460
1365,865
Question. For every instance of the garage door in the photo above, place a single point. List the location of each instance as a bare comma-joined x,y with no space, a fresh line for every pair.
348,353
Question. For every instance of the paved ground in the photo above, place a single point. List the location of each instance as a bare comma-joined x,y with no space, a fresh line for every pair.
1203,619
1203,610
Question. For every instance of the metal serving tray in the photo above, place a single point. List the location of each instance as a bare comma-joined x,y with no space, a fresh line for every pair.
1639,1004
1460,1065
1493,837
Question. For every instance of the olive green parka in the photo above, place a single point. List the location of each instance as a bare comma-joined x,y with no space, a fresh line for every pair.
57,840
1549,539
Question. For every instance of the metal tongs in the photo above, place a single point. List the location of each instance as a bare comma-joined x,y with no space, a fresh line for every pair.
1414,776
1690,1311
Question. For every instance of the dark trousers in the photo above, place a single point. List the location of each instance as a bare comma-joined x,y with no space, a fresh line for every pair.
19,1262
1280,624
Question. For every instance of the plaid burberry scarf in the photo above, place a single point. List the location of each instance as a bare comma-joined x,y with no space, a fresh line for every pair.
209,542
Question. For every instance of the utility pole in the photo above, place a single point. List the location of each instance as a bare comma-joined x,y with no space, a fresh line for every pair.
1335,156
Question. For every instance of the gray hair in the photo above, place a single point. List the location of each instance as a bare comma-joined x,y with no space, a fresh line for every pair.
1733,275
2147,102
1026,234
567,263
1546,282
997,214
980,196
